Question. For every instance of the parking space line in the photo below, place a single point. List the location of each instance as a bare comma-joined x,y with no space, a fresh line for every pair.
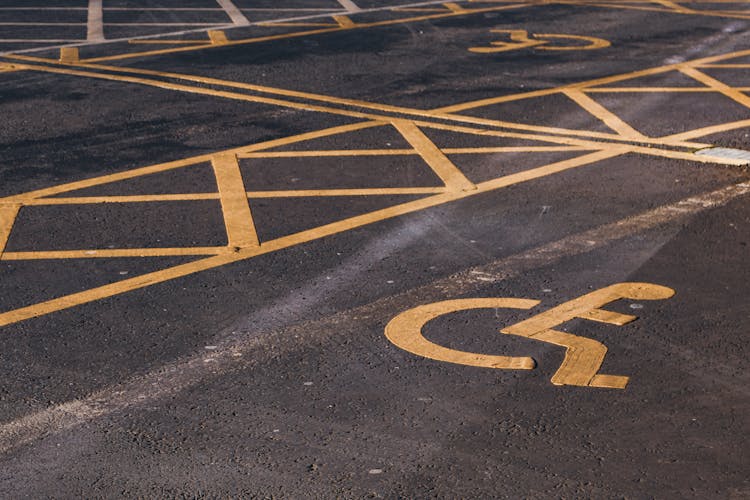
233,12
94,24
453,178
715,84
248,252
237,217
606,116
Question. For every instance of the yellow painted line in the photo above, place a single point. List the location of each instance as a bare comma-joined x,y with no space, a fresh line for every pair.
586,85
606,116
168,42
299,24
726,66
113,289
147,198
237,217
69,55
326,153
8,214
455,8
651,90
453,178
377,107
675,6
584,356
217,37
405,332
715,84
202,91
91,200
163,167
510,149
107,253
344,22
301,193
713,129
175,272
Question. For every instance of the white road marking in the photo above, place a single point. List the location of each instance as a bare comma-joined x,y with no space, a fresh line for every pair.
230,354
95,22
237,17
323,14
349,6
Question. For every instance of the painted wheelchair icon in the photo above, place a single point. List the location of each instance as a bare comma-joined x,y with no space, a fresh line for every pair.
520,39
583,356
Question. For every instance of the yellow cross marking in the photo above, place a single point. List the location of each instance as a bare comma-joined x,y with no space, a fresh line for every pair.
414,125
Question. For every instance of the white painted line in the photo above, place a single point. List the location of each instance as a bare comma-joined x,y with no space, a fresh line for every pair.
188,371
726,153
24,40
233,12
349,6
309,17
95,23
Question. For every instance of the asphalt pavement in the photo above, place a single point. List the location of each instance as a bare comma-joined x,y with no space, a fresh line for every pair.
374,249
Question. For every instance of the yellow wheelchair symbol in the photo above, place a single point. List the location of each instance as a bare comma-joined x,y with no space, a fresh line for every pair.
519,39
583,356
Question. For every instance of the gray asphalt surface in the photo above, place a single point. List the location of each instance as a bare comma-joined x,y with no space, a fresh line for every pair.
266,371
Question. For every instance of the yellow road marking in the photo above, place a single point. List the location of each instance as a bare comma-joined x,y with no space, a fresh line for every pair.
217,37
405,332
344,22
163,167
107,253
69,55
8,214
605,115
715,84
584,356
236,255
453,178
237,217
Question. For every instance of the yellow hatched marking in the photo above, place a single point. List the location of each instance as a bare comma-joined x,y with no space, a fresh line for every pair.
182,270
163,167
237,217
453,178
715,84
8,214
603,114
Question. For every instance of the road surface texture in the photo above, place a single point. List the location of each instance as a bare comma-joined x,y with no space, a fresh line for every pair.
374,249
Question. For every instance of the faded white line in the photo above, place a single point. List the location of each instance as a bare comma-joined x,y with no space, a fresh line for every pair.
349,6
237,17
232,352
207,28
95,22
